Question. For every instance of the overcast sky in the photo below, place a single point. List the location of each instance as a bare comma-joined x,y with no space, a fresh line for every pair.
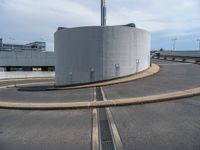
23,21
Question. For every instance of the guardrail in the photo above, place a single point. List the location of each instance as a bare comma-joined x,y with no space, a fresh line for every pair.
190,59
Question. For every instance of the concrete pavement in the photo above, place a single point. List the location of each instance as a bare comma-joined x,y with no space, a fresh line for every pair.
173,125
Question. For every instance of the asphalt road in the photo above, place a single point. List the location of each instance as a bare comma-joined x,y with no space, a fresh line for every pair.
45,130
173,76
40,95
173,125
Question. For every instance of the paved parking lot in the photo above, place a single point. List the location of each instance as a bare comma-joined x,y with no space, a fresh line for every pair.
170,125
173,76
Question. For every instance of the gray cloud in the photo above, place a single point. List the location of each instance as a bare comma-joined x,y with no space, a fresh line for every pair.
28,20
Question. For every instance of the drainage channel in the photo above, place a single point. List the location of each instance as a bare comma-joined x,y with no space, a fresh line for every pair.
106,135
106,141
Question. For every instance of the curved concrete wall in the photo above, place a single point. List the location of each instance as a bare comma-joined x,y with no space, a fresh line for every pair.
88,54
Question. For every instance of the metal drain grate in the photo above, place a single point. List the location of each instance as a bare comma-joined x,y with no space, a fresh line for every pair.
106,139
99,96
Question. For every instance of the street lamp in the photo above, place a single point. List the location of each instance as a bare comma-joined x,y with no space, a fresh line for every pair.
198,40
174,43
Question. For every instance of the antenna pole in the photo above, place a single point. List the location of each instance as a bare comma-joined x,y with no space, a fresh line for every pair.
103,13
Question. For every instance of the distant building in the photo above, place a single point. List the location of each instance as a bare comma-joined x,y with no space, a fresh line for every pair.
35,46
25,57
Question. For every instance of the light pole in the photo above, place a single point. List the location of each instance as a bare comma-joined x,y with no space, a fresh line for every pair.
12,39
14,50
174,43
198,40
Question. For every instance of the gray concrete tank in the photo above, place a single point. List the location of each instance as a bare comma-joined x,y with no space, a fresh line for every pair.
90,54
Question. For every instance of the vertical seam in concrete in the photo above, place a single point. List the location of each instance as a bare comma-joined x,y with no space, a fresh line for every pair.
102,42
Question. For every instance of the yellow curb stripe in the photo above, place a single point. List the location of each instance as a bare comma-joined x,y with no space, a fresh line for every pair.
149,72
97,104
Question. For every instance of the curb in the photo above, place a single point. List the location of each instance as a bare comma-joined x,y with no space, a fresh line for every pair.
108,103
149,72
